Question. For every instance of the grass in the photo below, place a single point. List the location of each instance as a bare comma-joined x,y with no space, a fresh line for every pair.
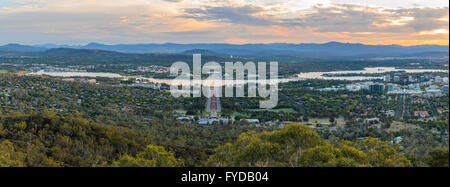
237,114
340,122
285,110
397,126
181,111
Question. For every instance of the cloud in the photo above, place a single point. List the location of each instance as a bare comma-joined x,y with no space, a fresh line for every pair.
230,14
174,1
333,18
238,21
356,18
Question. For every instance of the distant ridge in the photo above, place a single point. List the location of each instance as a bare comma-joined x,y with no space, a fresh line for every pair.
203,52
70,51
20,48
247,50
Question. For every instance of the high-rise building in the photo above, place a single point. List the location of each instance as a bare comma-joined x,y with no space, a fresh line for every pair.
390,87
445,80
422,78
376,88
437,79
445,89
396,79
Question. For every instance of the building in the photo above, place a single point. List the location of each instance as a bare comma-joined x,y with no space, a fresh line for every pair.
398,139
372,120
208,120
185,119
422,114
445,89
437,79
422,78
213,105
253,121
376,88
146,85
445,80
205,122
390,113
434,92
396,79
92,81
411,78
390,87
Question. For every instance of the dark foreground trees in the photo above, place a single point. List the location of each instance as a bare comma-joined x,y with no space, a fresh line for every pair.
298,146
438,158
152,156
53,140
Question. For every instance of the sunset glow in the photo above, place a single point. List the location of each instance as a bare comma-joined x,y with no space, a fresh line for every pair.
232,21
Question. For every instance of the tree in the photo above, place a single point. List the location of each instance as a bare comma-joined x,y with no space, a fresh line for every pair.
330,156
9,157
152,156
382,153
298,146
48,140
438,158
305,119
331,119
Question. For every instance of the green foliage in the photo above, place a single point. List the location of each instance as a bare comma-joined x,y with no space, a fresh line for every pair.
152,156
382,153
330,156
438,158
8,156
298,146
51,140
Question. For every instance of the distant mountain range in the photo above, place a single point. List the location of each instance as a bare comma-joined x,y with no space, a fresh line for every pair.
331,49
21,48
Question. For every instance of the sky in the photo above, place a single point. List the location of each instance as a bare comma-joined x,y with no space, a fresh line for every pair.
78,22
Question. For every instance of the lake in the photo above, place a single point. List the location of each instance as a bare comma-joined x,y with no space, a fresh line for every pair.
77,74
376,70
301,76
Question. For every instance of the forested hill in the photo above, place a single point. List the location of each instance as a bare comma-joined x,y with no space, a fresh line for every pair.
92,56
330,49
53,140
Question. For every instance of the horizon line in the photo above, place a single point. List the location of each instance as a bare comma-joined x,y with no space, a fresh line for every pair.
215,43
